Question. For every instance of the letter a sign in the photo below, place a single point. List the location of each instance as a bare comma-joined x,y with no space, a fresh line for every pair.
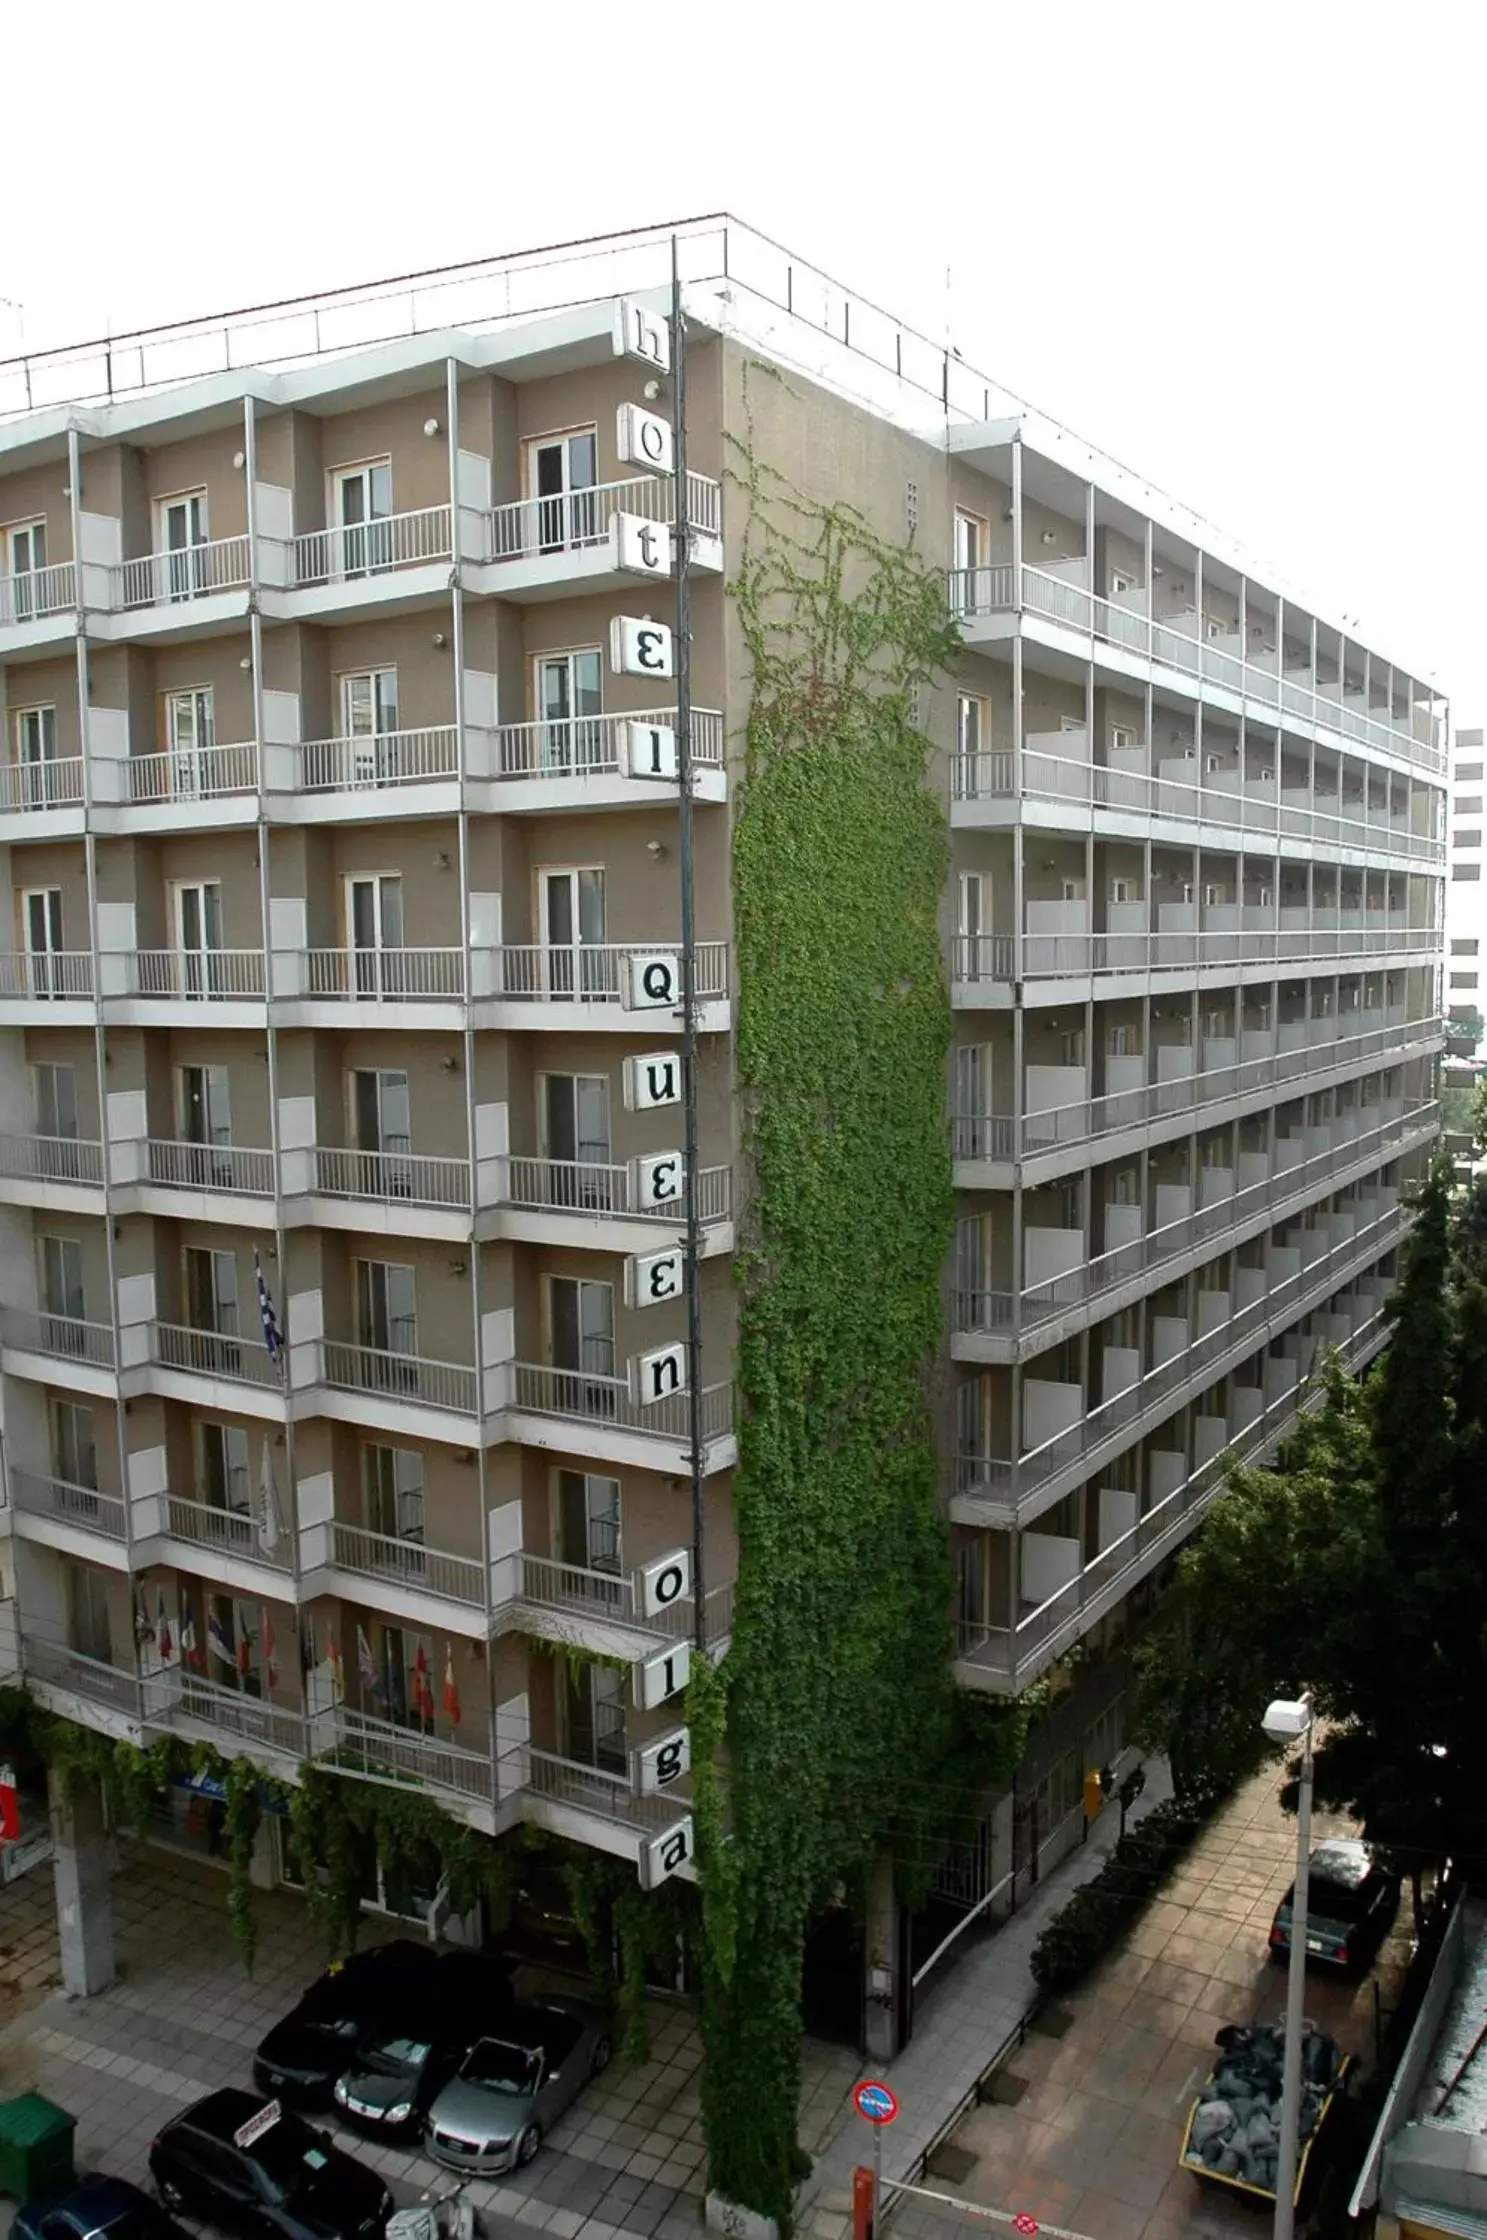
665,1855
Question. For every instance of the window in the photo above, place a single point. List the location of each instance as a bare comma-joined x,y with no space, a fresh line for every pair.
56,1148
567,689
361,532
973,1416
212,1308
374,922
369,713
232,1638
87,1613
181,538
573,1122
1071,1047
381,1121
393,1489
970,1564
1123,1186
1468,871
1467,837
222,1467
973,1235
205,1124
562,471
588,1524
190,733
47,965
1122,890
1463,980
25,557
1465,948
973,917
74,1452
1467,773
1120,583
60,1267
580,1343
974,730
1120,1042
575,962
594,1716
40,784
1122,738
972,543
403,1688
386,1312
1468,804
199,939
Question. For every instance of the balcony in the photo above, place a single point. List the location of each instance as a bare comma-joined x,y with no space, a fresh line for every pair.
41,800
225,1716
355,557
387,774
209,1169
60,978
407,1565
595,762
48,1501
586,985
179,1352
380,1387
390,985
49,1170
547,548
984,967
588,1803
38,603
223,1537
175,579
75,1352
179,790
230,980
69,1681
573,1412
566,1201
381,1751
554,1599
392,1178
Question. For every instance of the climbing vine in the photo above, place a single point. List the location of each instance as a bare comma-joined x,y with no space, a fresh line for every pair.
838,1700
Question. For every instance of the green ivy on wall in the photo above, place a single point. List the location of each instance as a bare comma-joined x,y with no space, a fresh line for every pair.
836,1701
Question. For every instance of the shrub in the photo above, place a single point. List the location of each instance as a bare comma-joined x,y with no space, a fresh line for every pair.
1083,1931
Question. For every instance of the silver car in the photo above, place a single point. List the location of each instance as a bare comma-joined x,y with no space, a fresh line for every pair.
511,2087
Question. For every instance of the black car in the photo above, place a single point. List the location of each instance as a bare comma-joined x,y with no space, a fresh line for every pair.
1350,1904
302,2056
396,2074
254,2166
96,2208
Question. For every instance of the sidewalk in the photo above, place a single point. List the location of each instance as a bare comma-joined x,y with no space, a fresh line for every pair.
965,2019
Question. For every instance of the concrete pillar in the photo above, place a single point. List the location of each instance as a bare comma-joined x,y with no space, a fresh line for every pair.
261,1866
884,2004
81,1859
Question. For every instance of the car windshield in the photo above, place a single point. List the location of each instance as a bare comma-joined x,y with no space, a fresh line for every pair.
387,2055
1337,1901
501,2067
296,2158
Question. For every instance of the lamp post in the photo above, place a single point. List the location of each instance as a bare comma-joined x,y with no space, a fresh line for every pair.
1287,1721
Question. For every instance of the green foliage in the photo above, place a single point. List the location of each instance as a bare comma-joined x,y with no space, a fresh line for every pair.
1101,1910
839,1695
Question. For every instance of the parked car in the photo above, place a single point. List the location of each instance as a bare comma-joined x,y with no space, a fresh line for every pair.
96,2208
1351,1902
512,2085
253,2165
397,2071
303,2055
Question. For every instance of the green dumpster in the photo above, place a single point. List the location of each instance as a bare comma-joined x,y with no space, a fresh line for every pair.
35,2146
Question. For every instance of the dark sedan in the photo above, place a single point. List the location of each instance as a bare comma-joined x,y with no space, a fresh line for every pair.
396,2074
302,2057
1350,1904
253,2166
95,2208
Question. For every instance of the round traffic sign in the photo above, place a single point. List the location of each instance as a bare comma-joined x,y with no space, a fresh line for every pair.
1025,2223
877,2102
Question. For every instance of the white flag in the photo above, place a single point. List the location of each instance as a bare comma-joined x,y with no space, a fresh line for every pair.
268,1504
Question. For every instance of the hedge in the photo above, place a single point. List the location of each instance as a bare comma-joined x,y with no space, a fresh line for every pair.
1100,1910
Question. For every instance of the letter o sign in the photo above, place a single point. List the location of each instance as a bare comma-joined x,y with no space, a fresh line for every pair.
669,1585
666,1581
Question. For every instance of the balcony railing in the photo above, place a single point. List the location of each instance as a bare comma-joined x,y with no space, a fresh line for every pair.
378,1746
361,549
48,975
197,975
211,1166
994,1136
594,972
50,1159
573,1393
70,1504
1000,774
573,520
194,773
65,1337
409,1377
999,958
227,1532
578,1186
392,1177
38,592
57,784
610,1595
589,746
193,572
93,1677
213,1353
176,1694
386,758
592,1789
387,975
407,1563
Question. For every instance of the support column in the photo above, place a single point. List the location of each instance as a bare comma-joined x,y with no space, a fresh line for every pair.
885,1993
81,1858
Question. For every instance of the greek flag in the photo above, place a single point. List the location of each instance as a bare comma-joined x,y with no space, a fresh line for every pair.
266,1313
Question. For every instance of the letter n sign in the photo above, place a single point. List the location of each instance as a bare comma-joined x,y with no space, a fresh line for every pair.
657,1376
665,1855
640,649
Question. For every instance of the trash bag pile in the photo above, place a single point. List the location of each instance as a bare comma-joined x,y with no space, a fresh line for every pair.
1236,2124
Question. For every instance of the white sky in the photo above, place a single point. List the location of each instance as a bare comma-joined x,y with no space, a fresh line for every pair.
1240,248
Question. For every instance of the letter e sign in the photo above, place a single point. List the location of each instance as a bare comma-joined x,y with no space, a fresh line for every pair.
640,648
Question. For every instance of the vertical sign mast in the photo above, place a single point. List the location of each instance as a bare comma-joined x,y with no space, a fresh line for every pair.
681,564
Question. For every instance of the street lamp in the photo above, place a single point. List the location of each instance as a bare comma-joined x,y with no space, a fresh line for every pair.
1287,1721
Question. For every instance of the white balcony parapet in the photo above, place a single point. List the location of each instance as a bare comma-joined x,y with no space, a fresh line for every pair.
594,972
174,1696
589,746
196,975
575,1186
998,958
409,1377
364,1744
39,1496
194,773
57,784
46,975
385,758
574,520
57,1666
391,1177
50,1159
360,550
211,1353
610,1596
540,1389
37,593
227,1532
596,1790
211,1166
386,975
195,571
407,1563
66,1337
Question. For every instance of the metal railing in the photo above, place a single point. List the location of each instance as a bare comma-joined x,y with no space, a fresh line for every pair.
56,1666
573,520
1002,1480
450,1385
50,1159
211,1166
407,1563
589,746
391,1177
194,571
1001,774
387,975
995,1136
539,1389
610,1595
595,972
979,1310
196,975
385,758
46,975
38,592
228,1532
70,1504
999,958
57,784
176,1694
593,1789
379,1746
194,773
581,1186
213,1353
65,1337
371,548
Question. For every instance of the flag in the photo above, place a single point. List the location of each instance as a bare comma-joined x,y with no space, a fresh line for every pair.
366,1663
190,1654
217,1640
266,1314
451,1692
270,1653
163,1640
268,1501
337,1673
242,1645
143,1630
423,1692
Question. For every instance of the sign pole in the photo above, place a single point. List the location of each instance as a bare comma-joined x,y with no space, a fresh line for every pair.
877,2179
